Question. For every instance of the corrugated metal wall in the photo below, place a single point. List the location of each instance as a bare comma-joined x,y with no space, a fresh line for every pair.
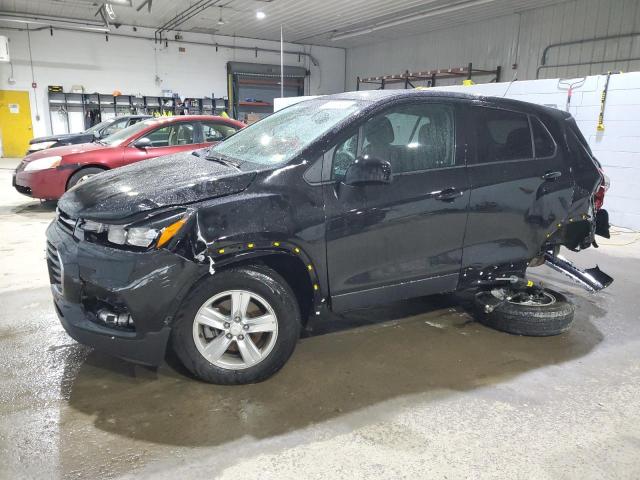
519,38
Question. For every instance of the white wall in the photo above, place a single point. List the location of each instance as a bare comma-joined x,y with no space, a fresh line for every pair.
617,148
130,65
519,38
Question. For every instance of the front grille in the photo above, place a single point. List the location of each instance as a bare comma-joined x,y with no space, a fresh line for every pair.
67,223
56,270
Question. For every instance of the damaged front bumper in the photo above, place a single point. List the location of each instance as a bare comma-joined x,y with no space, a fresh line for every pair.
88,279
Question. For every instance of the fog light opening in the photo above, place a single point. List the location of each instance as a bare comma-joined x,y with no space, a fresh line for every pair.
115,319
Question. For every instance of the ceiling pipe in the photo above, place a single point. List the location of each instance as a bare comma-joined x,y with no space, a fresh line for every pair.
299,53
185,15
407,19
52,22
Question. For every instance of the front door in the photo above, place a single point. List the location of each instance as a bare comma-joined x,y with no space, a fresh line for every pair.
166,140
403,239
15,123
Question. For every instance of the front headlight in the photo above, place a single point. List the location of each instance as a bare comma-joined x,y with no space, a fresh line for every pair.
43,163
157,231
40,146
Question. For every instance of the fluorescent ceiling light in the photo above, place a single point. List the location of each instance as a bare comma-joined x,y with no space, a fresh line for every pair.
260,15
408,19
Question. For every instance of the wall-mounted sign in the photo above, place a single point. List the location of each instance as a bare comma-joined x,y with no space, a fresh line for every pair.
14,108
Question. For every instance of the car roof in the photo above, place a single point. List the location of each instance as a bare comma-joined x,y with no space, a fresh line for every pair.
384,96
184,118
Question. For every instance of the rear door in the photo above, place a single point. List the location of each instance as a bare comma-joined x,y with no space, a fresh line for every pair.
403,239
521,188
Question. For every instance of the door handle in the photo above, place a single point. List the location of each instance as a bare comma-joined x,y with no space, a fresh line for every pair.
448,194
551,175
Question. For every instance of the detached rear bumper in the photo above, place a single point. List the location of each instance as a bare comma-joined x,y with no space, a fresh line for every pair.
149,286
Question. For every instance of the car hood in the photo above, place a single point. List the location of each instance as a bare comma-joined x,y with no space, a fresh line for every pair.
171,180
65,151
67,137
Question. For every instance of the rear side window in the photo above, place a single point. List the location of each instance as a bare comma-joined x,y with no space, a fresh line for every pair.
216,132
502,135
542,139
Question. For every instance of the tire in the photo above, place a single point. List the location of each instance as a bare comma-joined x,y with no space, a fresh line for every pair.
212,301
526,319
82,175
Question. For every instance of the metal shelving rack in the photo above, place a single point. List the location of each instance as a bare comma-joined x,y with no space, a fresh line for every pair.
409,79
106,104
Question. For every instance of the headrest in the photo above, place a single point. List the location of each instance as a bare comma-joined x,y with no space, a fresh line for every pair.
379,131
519,142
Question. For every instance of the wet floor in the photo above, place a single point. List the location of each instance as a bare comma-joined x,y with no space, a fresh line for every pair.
412,390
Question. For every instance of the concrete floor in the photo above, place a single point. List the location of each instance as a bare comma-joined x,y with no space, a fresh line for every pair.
413,390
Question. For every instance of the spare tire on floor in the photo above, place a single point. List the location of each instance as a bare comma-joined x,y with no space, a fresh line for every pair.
540,313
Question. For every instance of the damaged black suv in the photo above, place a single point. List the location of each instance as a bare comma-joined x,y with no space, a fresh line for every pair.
340,202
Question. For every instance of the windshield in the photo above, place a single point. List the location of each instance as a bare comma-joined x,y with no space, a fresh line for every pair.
98,126
281,136
125,134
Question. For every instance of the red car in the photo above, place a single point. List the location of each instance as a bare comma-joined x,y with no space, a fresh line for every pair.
47,174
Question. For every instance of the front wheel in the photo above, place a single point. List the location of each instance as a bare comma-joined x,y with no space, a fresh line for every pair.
238,326
535,313
82,176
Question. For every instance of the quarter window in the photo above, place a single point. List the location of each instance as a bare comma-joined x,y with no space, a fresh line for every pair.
542,140
502,135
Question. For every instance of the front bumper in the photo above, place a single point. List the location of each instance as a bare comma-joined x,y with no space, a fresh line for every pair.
148,285
47,184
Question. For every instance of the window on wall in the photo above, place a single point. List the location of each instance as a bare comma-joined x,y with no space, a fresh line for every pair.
542,139
502,135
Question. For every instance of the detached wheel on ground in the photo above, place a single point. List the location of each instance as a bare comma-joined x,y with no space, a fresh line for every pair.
82,176
237,326
535,313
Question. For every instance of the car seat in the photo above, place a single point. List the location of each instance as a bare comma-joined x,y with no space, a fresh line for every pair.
379,133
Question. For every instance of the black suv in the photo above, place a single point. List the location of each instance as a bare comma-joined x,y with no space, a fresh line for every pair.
340,202
98,131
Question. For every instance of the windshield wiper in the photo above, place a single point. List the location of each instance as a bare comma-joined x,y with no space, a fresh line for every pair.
222,161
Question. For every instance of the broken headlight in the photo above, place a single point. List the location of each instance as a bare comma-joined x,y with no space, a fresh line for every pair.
157,231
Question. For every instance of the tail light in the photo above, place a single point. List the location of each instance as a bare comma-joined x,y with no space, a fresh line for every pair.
602,190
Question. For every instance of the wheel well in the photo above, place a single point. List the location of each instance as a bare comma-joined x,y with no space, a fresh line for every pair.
294,271
84,167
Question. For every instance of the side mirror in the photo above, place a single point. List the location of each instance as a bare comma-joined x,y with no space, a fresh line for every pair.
143,143
369,171
97,135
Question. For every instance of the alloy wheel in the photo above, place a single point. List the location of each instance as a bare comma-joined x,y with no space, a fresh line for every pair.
235,329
